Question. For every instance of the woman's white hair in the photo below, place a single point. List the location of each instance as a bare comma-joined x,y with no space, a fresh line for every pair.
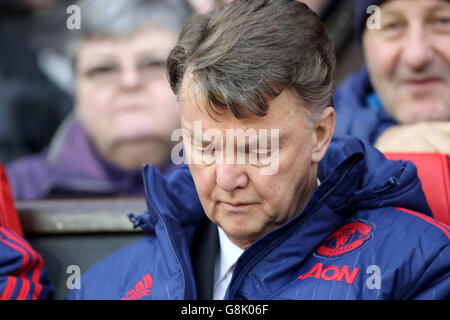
118,18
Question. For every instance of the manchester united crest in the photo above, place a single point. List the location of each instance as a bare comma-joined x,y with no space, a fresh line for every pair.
345,239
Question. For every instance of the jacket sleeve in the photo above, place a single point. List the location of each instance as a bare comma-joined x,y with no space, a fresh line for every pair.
434,284
22,271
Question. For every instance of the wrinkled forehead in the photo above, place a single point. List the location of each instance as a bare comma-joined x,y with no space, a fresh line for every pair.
283,113
193,101
194,107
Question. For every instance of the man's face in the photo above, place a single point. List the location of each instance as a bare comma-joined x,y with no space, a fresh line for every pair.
409,59
123,99
237,197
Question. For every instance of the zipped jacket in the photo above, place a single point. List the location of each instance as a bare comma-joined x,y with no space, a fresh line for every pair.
365,233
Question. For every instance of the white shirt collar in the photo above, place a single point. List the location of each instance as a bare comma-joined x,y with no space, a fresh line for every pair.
224,265
229,254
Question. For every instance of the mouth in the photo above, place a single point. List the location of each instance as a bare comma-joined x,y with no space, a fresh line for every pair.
132,107
236,206
423,83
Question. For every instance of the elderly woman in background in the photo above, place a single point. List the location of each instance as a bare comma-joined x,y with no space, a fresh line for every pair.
125,110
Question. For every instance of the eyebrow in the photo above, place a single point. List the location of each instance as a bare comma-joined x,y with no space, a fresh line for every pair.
440,6
281,138
155,55
107,58
431,8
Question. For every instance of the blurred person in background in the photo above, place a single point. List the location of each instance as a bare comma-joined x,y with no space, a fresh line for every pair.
400,101
32,104
124,111
335,15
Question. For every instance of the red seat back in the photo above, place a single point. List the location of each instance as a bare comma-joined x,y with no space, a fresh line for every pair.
433,170
8,214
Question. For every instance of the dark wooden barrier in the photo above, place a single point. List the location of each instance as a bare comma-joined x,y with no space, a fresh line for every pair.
77,232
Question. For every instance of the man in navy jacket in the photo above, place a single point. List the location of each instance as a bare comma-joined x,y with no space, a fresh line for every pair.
400,99
269,207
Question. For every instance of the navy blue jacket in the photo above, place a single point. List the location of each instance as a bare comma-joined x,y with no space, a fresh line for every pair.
349,242
353,114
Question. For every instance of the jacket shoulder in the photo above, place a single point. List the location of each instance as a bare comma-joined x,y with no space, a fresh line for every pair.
420,225
27,175
408,228
109,278
413,250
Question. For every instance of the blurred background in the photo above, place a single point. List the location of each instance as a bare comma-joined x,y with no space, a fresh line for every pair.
37,80
71,184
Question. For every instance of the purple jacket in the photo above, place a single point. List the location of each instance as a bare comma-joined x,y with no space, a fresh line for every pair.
71,167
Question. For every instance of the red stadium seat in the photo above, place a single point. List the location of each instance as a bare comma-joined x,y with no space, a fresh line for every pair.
8,213
433,170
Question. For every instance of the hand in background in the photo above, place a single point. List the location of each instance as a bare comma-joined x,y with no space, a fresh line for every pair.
417,137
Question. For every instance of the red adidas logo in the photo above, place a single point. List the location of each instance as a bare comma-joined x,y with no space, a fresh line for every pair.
142,288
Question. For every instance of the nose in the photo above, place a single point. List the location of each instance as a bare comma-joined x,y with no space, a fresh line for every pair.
130,77
231,176
418,49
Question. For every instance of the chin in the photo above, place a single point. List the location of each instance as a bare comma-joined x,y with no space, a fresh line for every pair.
139,137
422,110
125,130
426,114
131,156
242,230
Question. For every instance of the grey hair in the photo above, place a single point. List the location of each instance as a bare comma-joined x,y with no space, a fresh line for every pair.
246,53
118,18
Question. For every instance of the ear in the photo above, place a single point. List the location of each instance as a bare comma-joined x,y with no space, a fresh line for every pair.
322,133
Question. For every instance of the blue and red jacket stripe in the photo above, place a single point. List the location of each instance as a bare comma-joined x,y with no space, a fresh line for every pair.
22,271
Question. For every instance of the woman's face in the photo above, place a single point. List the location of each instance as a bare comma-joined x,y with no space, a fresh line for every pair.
123,99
